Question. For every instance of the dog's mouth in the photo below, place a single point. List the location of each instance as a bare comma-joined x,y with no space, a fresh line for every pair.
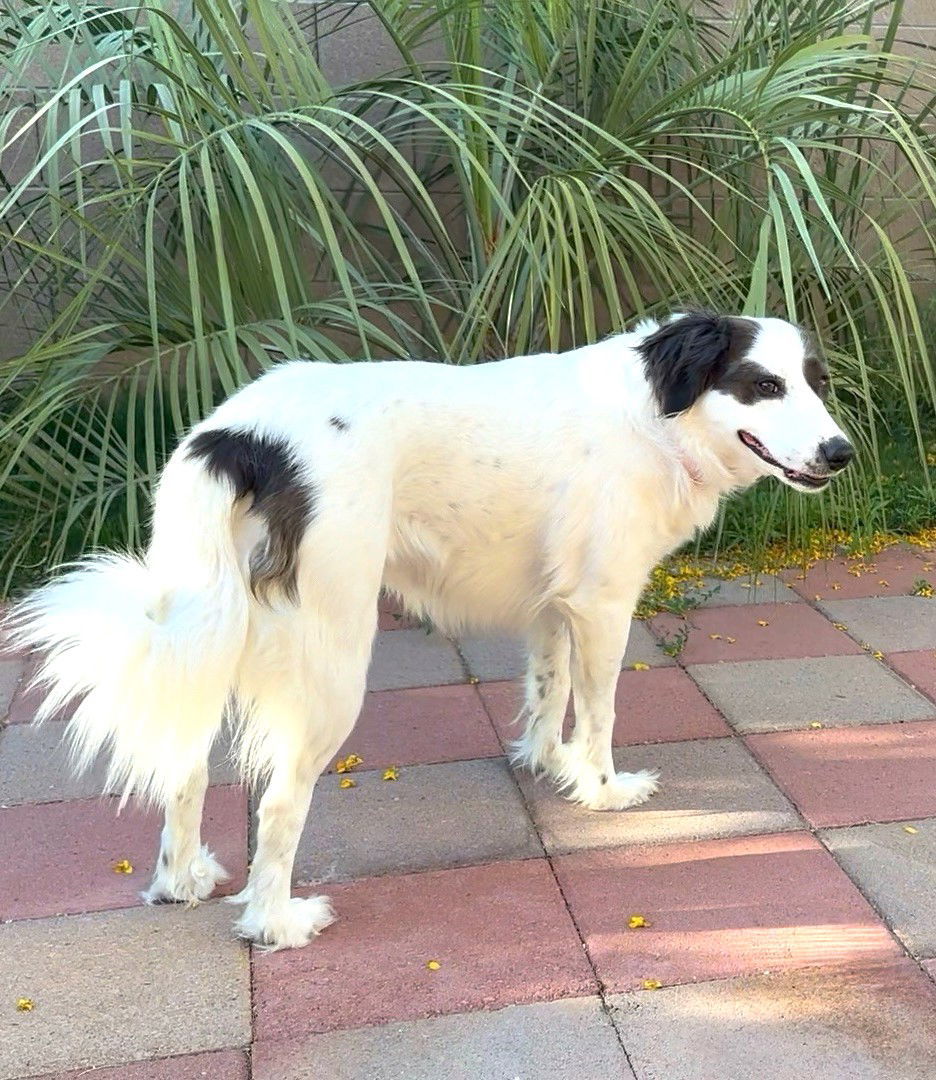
808,480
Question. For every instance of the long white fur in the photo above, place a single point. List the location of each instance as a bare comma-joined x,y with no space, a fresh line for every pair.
533,494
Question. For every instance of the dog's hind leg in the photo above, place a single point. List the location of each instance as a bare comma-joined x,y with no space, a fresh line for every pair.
186,871
548,683
588,772
300,715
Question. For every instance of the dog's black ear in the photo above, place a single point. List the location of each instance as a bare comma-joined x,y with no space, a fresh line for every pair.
686,357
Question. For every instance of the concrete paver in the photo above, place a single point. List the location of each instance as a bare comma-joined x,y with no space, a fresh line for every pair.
555,1040
918,668
494,658
847,776
662,705
896,870
121,985
500,933
220,1065
405,658
764,589
11,672
835,691
709,788
717,909
420,726
58,858
431,816
34,767
875,1023
887,623
754,632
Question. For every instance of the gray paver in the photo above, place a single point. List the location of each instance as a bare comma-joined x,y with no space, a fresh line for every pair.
837,691
432,816
765,589
405,658
557,1040
888,623
896,870
806,1025
34,767
144,982
498,658
709,788
11,671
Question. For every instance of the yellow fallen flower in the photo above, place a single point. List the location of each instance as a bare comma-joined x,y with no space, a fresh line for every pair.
391,773
433,965
640,666
910,829
715,637
123,866
815,724
635,922
651,984
346,782
840,626
731,640
473,680
25,1004
762,622
346,764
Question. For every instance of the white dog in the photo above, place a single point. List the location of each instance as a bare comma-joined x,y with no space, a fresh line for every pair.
533,494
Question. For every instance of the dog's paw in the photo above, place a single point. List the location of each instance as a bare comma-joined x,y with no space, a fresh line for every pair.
187,886
617,791
288,927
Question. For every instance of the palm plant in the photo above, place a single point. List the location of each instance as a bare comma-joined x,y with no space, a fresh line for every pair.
204,200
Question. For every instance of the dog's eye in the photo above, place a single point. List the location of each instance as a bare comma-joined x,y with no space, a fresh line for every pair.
769,387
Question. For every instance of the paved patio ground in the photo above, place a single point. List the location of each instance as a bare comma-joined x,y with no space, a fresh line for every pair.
786,873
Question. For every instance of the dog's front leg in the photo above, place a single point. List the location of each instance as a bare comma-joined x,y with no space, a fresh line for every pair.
587,773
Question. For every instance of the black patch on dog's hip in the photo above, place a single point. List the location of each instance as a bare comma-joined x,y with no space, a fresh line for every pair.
265,468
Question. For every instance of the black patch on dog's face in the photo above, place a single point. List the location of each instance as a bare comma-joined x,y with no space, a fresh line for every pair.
692,354
748,382
263,467
817,375
338,422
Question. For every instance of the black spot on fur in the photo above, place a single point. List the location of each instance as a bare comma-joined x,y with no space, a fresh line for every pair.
817,375
604,778
691,354
164,860
338,422
264,468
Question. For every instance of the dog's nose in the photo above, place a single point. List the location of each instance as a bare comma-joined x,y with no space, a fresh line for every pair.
836,452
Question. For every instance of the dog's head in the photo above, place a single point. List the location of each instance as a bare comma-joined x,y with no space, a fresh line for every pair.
757,390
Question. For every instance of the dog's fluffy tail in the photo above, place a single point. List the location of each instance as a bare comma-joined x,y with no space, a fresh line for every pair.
147,648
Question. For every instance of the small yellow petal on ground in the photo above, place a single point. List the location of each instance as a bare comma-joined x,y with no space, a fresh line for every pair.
651,984
715,637
433,965
473,680
762,622
635,922
840,626
731,640
123,866
835,587
25,1004
347,782
878,655
640,666
910,829
391,773
815,724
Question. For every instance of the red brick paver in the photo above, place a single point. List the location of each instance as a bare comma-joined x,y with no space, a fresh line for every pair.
918,668
718,908
421,726
500,933
892,572
58,858
660,705
791,630
845,776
